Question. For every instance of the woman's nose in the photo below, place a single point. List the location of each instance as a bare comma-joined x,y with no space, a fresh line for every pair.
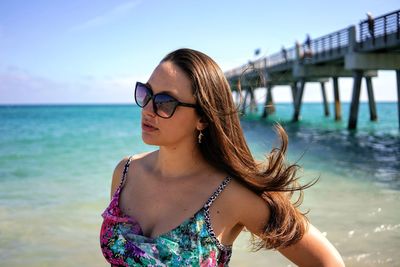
148,109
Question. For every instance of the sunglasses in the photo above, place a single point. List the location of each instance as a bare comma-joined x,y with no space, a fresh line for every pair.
164,105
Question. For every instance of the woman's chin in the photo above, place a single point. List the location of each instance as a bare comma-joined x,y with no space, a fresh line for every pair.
149,140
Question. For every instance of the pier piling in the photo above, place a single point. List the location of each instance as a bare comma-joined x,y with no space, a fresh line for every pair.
294,91
398,93
269,107
355,99
326,107
253,105
371,99
245,101
338,111
299,97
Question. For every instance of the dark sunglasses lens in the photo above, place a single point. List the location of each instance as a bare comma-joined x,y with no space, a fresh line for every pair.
165,105
142,95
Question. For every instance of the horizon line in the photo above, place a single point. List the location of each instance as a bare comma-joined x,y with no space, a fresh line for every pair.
130,103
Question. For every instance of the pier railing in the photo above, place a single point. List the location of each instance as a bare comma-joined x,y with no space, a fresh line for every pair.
237,71
327,45
284,56
380,27
330,46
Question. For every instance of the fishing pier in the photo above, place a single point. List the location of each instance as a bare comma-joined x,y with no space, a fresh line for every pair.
357,52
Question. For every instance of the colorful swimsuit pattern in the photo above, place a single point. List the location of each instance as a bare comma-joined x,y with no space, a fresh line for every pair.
192,243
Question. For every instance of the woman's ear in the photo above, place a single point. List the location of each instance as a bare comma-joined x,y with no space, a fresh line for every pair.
201,124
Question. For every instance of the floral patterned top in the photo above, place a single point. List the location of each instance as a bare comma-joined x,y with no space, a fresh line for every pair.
192,243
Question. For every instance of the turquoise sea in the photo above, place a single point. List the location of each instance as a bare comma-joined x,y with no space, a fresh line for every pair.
56,164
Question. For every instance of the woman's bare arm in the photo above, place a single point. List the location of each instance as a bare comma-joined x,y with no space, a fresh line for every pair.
313,250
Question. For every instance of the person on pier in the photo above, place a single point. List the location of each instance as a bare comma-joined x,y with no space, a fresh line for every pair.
371,25
307,47
284,54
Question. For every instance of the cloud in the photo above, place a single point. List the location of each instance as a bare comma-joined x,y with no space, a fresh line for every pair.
19,86
115,13
112,89
18,79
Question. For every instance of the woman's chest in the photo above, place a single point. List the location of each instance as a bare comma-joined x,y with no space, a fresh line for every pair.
160,208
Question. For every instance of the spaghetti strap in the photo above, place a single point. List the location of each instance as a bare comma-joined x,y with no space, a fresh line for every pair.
218,191
125,171
207,215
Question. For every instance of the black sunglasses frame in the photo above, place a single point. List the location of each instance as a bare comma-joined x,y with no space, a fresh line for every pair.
153,96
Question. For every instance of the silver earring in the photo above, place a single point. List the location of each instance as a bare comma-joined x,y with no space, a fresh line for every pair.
199,137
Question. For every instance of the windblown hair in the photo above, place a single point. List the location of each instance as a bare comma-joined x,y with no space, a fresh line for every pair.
226,149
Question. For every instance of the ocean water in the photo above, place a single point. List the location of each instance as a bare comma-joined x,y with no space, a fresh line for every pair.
56,164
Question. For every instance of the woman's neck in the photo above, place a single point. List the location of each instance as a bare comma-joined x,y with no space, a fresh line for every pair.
178,161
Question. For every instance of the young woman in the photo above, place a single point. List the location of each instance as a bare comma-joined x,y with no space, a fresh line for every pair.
185,203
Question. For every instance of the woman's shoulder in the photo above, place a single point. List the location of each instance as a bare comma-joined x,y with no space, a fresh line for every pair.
249,208
136,160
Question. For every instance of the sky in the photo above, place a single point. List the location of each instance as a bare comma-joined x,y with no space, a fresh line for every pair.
62,52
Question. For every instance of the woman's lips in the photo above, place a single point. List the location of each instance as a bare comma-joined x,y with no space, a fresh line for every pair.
148,128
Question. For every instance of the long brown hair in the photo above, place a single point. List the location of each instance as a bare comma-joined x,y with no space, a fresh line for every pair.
225,148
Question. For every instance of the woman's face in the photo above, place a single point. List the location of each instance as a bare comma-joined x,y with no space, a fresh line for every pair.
181,127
